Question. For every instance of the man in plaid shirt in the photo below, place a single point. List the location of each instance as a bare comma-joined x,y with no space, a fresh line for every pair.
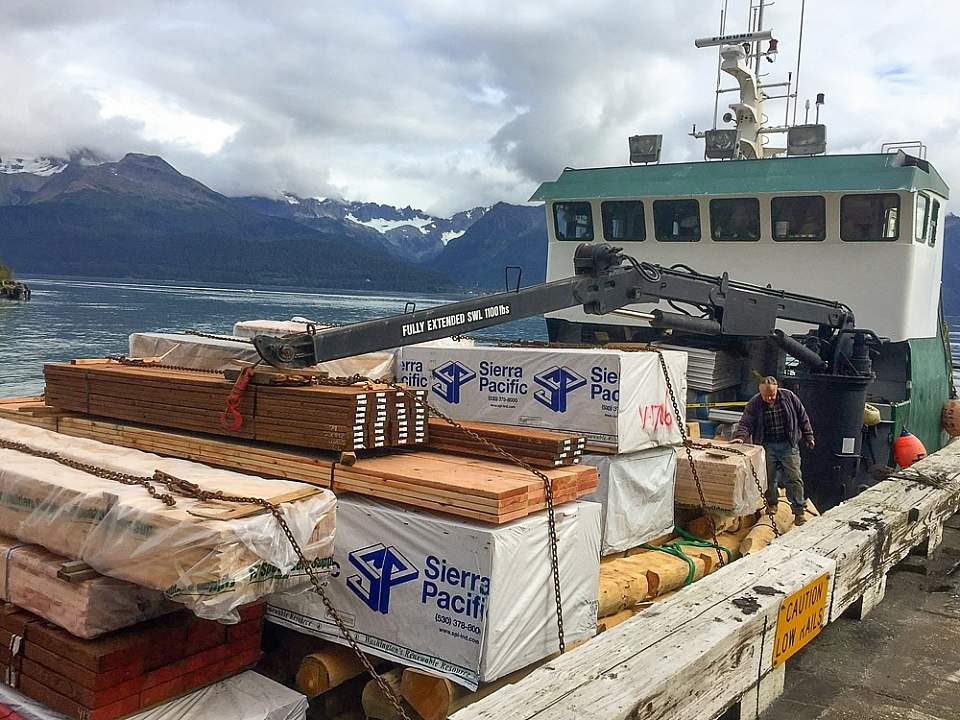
776,419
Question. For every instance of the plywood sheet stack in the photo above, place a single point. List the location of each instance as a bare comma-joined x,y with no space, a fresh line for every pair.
725,475
340,418
467,487
710,370
540,448
128,670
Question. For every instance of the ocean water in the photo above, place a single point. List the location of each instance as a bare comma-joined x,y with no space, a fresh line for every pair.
75,318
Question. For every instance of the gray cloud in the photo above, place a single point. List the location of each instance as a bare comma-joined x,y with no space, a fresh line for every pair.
438,104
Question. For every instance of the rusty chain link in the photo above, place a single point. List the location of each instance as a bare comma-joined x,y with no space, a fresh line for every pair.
96,470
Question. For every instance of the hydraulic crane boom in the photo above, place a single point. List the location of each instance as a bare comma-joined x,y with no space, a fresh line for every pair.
605,281
836,366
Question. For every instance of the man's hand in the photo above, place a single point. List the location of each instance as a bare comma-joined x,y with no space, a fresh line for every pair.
738,441
811,443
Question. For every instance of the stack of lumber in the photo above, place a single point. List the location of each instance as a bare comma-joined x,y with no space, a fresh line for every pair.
211,555
342,418
474,488
72,595
540,448
725,476
264,459
466,487
128,670
29,411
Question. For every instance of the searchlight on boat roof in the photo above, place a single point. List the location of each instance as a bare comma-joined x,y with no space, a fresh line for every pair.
645,148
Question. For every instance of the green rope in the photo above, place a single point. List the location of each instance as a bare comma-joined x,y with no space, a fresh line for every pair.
675,548
676,551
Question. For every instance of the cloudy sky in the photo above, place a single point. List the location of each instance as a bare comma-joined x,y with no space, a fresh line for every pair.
444,105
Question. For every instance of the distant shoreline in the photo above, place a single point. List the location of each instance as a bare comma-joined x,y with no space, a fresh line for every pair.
312,290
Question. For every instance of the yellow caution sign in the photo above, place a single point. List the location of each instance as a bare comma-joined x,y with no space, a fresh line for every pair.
800,619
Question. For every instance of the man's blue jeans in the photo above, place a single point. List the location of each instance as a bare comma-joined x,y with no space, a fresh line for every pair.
783,460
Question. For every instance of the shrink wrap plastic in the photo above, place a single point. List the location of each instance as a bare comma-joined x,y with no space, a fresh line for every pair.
210,565
464,600
636,492
617,399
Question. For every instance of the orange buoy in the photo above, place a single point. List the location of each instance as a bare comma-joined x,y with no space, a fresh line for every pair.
951,418
907,449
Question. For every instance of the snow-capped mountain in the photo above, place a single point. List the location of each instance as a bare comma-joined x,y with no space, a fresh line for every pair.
410,233
45,166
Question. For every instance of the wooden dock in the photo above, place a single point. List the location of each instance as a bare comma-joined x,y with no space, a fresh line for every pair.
720,643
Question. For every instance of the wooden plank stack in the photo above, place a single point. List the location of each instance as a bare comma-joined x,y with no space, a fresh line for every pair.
266,460
128,670
466,487
537,447
86,605
725,476
340,418
479,489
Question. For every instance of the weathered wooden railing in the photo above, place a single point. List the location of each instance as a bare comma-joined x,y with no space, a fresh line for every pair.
712,645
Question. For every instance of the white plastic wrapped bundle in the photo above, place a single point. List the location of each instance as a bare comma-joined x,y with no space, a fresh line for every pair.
636,492
210,556
461,599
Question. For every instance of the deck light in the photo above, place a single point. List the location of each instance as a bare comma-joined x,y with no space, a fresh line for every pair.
645,148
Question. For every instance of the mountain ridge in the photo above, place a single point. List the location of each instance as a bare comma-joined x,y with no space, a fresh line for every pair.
139,217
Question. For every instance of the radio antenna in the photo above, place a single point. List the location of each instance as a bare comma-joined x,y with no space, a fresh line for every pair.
796,88
716,94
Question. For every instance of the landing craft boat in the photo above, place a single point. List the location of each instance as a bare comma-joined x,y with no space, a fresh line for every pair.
863,228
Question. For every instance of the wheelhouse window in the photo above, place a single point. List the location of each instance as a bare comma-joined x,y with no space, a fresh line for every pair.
870,218
623,221
799,219
934,222
735,220
573,221
677,220
920,222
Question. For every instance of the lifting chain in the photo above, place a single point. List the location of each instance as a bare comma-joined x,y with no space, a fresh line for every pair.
139,362
687,446
192,490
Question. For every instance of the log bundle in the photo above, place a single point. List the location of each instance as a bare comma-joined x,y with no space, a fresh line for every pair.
536,447
128,670
328,417
467,487
726,477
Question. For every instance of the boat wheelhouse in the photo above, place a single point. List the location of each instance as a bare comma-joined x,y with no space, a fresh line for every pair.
865,230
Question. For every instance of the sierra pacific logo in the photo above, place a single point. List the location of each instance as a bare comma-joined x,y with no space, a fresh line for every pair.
381,569
557,383
451,376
